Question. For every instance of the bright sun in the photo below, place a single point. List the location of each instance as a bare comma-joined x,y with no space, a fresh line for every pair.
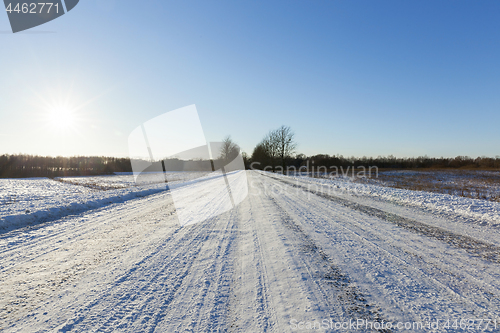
61,118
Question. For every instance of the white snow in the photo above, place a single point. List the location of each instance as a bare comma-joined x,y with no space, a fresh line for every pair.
31,201
295,250
34,200
481,211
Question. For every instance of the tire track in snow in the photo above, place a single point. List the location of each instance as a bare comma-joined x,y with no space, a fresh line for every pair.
474,246
447,289
205,292
69,250
154,294
276,253
412,271
336,286
151,294
293,279
126,302
251,273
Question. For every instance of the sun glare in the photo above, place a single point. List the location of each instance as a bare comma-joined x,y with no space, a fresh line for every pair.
61,118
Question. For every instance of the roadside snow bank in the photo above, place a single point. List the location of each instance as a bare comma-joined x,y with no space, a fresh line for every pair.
37,200
32,201
483,211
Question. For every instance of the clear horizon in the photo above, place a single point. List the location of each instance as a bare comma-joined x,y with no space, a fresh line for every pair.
350,78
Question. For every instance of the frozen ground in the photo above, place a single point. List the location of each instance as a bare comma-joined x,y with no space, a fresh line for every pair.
452,206
295,251
27,202
474,184
124,180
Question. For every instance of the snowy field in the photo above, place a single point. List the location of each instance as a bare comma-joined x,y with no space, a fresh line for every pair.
474,184
124,180
297,255
32,201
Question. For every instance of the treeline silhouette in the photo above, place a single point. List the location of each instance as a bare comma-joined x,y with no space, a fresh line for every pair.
389,162
25,166
21,166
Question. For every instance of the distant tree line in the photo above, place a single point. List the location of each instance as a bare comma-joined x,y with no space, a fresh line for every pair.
276,152
24,166
410,162
20,166
389,162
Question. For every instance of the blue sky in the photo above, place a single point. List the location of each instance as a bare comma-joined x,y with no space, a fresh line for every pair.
355,78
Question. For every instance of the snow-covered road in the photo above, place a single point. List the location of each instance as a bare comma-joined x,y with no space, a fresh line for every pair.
293,254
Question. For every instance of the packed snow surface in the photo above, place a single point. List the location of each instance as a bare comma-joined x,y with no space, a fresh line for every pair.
477,210
297,254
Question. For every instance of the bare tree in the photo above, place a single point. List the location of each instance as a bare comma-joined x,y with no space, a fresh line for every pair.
270,144
229,150
276,148
284,138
